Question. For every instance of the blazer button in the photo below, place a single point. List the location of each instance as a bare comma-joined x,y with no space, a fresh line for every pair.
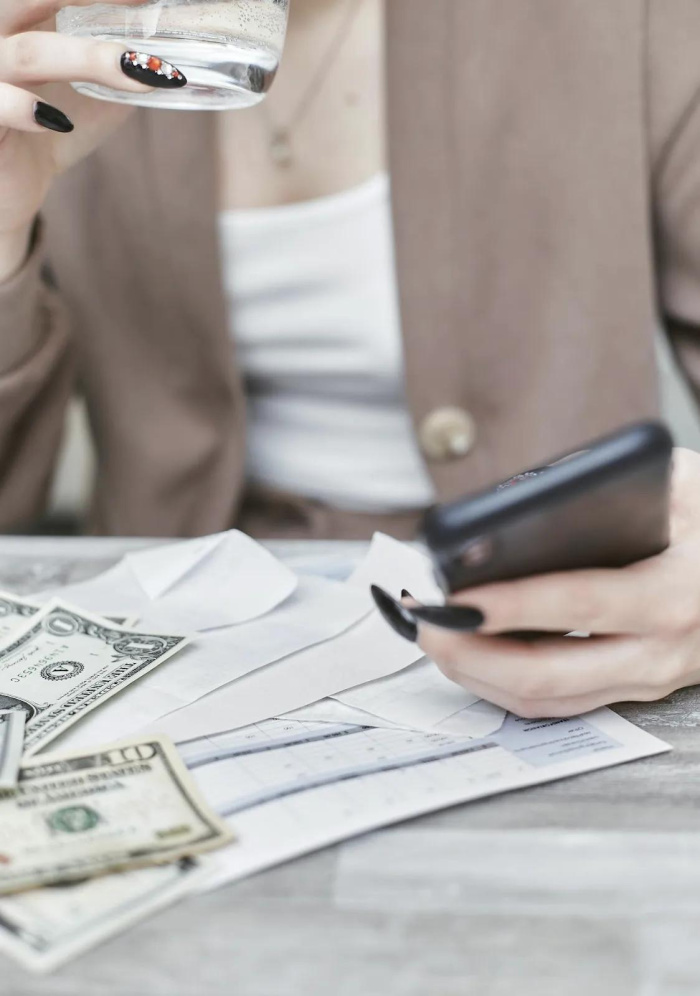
447,434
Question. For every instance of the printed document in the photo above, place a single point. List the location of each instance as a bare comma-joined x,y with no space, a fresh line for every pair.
290,787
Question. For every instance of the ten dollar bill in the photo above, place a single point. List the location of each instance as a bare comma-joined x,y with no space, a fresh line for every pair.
82,814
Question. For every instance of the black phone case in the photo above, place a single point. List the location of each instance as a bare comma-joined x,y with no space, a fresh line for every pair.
607,505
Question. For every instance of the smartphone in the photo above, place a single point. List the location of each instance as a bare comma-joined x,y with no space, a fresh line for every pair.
605,505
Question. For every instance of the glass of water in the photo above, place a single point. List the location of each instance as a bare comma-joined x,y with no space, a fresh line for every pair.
229,50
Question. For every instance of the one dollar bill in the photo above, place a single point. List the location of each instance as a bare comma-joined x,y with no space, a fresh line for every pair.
78,815
63,662
14,612
11,746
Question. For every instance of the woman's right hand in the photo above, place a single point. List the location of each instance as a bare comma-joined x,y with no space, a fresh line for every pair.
45,125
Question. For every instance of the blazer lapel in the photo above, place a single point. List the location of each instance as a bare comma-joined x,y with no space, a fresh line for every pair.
181,148
520,187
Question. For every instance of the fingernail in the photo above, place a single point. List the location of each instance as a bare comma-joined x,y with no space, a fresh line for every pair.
50,117
399,618
406,594
151,70
458,618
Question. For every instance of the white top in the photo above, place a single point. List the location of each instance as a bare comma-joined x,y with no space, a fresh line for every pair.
312,295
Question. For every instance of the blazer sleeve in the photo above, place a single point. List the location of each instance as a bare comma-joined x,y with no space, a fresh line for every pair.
36,377
674,133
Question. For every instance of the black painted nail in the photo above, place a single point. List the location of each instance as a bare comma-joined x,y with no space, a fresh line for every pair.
399,618
50,117
455,617
151,70
406,594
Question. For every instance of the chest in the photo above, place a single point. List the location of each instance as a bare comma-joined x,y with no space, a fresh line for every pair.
521,217
312,294
327,107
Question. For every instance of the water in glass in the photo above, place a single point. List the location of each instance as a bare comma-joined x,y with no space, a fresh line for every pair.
229,50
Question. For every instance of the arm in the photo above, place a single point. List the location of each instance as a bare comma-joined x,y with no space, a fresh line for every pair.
674,129
39,140
35,384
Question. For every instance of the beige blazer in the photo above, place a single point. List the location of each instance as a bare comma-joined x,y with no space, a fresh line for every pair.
545,158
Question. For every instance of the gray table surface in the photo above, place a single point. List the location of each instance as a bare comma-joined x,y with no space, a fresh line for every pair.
586,885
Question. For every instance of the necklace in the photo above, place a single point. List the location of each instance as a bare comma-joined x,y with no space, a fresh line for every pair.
280,143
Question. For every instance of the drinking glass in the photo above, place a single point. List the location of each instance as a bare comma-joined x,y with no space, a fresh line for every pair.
229,50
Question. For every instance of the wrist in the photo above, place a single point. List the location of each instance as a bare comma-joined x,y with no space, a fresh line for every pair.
14,249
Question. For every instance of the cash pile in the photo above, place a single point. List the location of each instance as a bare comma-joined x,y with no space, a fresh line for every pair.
98,831
301,716
93,816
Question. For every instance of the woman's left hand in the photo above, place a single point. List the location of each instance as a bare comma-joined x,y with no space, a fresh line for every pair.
644,620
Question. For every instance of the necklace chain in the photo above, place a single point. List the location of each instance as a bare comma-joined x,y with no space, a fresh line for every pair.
280,134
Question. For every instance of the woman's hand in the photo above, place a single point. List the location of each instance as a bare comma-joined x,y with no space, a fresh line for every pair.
45,126
645,621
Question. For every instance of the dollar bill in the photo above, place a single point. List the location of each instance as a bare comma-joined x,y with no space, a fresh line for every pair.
11,746
45,928
14,612
63,662
74,816
125,621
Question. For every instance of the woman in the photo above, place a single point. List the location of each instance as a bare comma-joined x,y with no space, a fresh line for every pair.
545,167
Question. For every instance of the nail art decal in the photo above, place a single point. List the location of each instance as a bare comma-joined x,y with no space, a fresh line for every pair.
151,70
50,117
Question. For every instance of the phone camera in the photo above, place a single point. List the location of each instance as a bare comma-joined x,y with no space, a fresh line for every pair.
519,478
477,552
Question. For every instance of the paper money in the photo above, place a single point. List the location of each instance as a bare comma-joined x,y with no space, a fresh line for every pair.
14,612
74,816
11,744
63,662
45,928
124,621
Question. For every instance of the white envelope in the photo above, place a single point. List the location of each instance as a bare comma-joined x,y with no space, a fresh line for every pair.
318,610
422,698
481,719
367,651
198,584
335,713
